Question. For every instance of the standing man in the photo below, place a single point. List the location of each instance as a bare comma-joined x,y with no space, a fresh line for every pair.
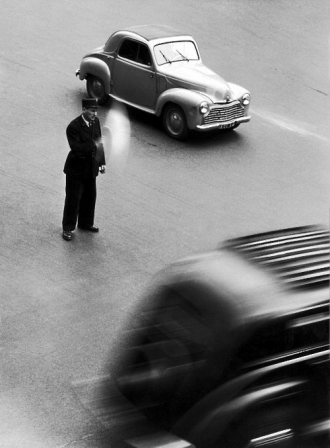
83,164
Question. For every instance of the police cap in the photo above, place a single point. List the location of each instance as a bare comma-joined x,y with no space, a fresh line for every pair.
89,103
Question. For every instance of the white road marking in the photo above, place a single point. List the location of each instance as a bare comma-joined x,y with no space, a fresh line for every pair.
288,124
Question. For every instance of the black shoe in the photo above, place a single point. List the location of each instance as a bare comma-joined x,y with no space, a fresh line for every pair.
92,228
67,235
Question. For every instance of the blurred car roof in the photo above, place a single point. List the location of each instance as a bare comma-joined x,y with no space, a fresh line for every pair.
238,289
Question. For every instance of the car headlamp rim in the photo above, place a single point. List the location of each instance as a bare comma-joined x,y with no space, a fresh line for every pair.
246,99
204,107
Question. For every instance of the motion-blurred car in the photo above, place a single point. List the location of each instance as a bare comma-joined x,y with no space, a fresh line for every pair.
160,71
231,348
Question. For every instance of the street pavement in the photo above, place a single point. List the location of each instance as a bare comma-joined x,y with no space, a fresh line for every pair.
64,305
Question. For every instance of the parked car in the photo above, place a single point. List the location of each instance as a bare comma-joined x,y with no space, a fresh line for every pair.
230,348
159,70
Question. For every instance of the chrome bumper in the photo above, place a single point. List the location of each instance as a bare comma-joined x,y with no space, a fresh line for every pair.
223,125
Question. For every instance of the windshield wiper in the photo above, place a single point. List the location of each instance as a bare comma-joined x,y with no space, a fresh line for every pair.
167,60
184,57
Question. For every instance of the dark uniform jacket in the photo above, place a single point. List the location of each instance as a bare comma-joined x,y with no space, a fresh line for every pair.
87,152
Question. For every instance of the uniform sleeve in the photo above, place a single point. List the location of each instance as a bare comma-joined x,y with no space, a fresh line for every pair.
79,146
101,156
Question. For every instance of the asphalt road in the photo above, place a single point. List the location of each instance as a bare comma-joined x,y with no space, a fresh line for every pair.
63,304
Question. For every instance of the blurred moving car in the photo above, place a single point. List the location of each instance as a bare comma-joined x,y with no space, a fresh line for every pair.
159,70
230,348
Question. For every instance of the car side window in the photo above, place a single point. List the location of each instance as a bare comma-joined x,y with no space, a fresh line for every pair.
144,55
129,50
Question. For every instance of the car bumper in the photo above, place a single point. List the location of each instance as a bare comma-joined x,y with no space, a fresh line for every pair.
223,125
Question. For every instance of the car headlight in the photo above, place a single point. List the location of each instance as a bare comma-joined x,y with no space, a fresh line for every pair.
204,107
246,99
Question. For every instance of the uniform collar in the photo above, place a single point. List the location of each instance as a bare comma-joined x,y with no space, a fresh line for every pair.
86,122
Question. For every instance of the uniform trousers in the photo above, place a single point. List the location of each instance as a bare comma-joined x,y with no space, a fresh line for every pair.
79,202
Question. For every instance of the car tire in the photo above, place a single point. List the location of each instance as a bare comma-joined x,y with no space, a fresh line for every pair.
96,89
175,122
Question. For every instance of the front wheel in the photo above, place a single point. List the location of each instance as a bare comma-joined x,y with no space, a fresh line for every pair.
175,122
96,89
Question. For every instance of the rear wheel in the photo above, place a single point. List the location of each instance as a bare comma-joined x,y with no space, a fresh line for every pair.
96,89
175,122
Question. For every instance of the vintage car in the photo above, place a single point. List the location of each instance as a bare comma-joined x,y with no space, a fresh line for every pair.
230,348
159,70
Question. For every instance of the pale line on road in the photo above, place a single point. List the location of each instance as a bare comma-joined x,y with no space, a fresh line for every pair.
285,123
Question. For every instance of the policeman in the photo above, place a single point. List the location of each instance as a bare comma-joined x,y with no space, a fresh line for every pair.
83,164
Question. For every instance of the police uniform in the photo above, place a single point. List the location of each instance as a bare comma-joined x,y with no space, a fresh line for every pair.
82,166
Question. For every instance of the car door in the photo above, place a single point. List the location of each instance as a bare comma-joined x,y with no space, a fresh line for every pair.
133,74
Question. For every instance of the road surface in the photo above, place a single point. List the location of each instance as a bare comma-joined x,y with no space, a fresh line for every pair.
63,304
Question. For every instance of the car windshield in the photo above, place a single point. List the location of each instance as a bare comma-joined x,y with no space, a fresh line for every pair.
175,51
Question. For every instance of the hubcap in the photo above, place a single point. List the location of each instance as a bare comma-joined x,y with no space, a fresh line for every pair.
175,122
97,88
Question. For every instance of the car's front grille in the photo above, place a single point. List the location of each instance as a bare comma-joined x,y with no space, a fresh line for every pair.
224,113
298,257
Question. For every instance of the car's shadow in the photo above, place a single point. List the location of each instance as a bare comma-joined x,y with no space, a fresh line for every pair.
196,141
149,128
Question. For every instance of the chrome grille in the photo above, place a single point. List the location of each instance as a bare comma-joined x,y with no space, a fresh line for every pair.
224,113
299,257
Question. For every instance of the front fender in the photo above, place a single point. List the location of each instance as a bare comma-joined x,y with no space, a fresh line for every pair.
237,90
188,100
96,67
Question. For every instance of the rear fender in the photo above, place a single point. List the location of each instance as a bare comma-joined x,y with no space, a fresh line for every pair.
188,100
96,67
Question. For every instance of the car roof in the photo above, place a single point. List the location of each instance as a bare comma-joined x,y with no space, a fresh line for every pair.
152,32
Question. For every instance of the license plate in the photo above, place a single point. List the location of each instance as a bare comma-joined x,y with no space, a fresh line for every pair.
226,126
